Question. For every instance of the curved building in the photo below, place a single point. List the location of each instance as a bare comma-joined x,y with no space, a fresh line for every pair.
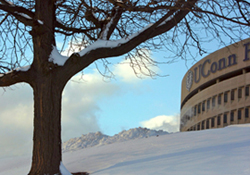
215,91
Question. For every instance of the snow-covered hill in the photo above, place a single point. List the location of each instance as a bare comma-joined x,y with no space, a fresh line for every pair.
98,139
223,151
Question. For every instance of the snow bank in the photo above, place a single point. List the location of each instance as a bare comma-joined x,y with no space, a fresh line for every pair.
209,152
63,170
223,151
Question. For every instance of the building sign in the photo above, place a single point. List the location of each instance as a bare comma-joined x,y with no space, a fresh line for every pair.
207,67
189,80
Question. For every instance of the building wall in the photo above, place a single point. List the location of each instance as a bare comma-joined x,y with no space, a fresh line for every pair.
215,91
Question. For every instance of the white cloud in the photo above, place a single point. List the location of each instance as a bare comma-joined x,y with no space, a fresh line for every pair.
16,120
80,104
135,70
125,72
163,122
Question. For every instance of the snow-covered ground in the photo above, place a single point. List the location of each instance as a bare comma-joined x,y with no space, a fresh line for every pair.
209,152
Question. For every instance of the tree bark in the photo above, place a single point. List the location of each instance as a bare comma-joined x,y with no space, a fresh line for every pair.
47,127
47,89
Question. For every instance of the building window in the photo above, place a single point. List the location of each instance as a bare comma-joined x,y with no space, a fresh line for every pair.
232,116
203,125
194,127
207,124
198,126
208,103
199,108
239,114
239,92
225,97
212,122
225,118
213,101
218,120
232,94
247,91
246,112
195,110
192,112
219,99
203,106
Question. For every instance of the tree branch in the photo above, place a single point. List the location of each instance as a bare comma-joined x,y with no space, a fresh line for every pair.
23,15
111,25
73,30
79,61
223,17
131,7
5,2
14,77
6,16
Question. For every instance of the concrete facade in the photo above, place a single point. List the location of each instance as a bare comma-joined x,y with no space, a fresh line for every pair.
215,91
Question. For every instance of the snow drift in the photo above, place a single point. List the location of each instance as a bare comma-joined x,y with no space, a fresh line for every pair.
223,151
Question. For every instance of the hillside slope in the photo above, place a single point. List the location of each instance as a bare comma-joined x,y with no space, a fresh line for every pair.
209,152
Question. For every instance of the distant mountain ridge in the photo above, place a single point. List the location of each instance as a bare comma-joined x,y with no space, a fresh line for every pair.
98,139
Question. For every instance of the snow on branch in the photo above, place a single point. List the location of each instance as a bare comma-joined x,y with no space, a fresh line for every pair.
57,58
21,69
60,60
24,15
104,43
27,17
10,3
111,25
100,43
15,76
21,14
7,2
104,34
166,20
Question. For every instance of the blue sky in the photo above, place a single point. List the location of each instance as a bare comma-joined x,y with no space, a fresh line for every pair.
126,101
144,99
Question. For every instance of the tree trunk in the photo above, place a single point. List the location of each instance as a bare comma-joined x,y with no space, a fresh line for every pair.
47,88
47,127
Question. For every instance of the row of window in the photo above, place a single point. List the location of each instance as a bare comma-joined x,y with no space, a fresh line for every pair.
211,102
201,107
222,119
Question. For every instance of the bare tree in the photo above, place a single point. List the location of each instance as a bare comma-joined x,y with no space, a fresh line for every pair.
101,29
